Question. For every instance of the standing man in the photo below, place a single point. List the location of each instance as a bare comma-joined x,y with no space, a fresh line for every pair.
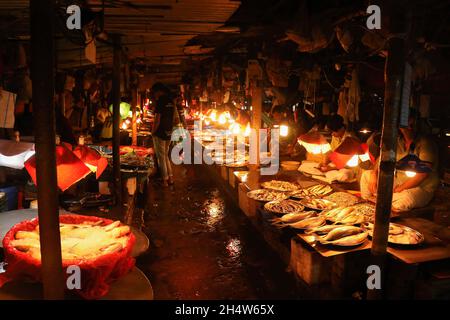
162,130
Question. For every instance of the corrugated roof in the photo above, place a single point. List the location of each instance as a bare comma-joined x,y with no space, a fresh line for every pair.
155,30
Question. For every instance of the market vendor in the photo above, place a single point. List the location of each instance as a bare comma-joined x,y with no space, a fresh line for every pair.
338,134
414,191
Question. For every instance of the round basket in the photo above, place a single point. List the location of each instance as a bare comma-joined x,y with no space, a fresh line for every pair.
96,274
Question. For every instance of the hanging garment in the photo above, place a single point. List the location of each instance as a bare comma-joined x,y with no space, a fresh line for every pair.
354,98
342,104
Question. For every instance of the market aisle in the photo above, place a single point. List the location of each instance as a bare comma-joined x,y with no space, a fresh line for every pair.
203,248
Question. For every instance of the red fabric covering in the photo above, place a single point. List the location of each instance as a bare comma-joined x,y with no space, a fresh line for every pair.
91,157
69,168
341,156
96,275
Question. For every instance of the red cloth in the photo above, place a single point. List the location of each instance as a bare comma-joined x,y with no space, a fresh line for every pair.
96,275
91,157
69,168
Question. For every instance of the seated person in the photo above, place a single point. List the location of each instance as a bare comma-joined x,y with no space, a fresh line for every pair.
338,134
409,192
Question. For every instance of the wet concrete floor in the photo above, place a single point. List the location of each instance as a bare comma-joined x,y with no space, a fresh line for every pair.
203,247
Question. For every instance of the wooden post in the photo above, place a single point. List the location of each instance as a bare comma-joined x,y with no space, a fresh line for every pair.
116,121
257,93
134,102
394,73
254,74
43,79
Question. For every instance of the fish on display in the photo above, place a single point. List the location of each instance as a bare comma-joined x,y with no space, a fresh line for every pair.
294,217
352,240
307,223
341,232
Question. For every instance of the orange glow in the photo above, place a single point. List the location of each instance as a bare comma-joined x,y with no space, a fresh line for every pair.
316,148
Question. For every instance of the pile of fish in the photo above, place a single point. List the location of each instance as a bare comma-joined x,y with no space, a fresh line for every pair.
365,209
345,215
302,220
340,235
284,207
314,191
317,204
266,195
279,185
342,199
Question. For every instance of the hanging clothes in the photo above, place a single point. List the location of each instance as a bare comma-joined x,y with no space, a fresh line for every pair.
354,98
349,98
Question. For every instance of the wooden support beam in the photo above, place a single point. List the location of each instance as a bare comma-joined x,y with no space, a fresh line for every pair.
394,73
116,120
42,18
134,103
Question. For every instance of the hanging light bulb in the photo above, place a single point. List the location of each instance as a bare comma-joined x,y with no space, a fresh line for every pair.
247,130
222,119
410,174
284,130
353,162
364,157
235,128
213,116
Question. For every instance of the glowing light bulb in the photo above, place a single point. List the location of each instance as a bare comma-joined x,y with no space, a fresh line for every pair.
247,130
235,128
207,122
324,148
284,130
353,162
364,157
213,116
410,174
222,119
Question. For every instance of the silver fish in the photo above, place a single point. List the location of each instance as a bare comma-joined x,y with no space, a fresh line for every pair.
352,240
342,232
308,223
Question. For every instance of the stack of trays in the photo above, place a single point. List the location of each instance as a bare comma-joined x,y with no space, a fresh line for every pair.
3,202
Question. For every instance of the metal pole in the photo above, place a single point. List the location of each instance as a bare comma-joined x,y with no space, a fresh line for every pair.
394,73
116,120
42,16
